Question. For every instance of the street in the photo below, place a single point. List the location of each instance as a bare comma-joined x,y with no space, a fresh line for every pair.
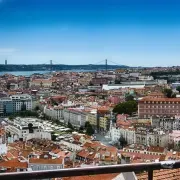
101,138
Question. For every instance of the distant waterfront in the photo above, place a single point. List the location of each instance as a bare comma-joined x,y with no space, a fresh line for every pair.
23,73
29,73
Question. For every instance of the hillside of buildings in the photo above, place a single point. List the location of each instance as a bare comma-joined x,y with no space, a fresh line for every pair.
86,119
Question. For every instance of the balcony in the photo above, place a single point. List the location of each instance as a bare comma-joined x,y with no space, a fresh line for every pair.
140,167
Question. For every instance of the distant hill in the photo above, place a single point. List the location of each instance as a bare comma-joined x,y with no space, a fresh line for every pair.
47,67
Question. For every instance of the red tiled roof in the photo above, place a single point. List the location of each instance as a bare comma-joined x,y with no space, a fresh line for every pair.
93,177
172,174
156,149
14,164
45,161
160,99
140,155
83,153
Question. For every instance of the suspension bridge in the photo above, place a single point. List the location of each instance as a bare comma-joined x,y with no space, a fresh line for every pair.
52,65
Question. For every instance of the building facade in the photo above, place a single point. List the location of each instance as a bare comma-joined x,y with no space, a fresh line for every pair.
76,116
6,106
92,119
56,113
168,123
152,107
25,129
141,135
21,102
152,137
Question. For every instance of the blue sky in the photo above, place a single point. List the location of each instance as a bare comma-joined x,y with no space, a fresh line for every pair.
129,32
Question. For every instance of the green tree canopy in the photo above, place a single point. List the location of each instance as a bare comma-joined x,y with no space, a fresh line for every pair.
53,136
89,130
169,93
128,107
70,126
37,108
117,81
178,89
87,124
129,97
122,141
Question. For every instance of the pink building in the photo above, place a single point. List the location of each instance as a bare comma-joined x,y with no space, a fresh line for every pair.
114,99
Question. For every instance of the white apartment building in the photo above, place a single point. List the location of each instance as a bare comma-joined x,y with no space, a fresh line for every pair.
152,137
127,133
141,135
25,129
76,116
55,112
21,102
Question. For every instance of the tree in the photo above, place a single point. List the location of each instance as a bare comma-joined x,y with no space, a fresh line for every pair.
30,126
11,117
178,89
169,93
128,107
90,83
53,136
129,97
122,141
86,124
117,81
37,108
70,126
81,129
23,107
89,130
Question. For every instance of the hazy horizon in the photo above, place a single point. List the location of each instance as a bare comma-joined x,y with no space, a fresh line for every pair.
128,32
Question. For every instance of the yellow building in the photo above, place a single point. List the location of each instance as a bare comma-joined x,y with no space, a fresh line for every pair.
104,123
92,118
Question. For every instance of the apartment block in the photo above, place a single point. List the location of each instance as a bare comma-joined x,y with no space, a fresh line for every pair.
152,107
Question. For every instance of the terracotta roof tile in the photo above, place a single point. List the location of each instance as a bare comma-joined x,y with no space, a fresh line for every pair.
93,177
46,161
173,174
13,164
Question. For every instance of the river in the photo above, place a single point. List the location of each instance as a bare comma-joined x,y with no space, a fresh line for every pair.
23,73
29,73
